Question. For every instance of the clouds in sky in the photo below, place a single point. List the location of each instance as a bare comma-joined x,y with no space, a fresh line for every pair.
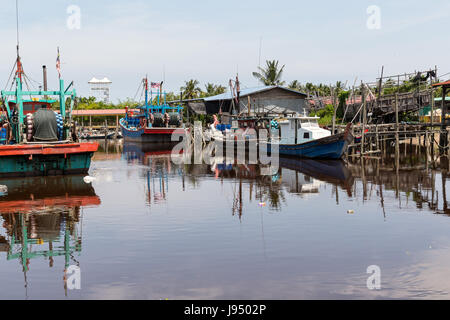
212,40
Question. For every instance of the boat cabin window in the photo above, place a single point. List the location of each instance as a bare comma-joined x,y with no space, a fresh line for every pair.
27,107
314,123
306,135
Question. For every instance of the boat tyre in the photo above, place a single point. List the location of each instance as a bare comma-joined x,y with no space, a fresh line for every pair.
60,124
29,127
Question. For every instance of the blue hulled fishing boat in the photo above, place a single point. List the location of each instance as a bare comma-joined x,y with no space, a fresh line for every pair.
302,137
154,123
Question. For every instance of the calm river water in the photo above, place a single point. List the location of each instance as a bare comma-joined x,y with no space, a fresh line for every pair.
147,228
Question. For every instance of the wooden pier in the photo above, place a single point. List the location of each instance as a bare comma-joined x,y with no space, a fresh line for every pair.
382,104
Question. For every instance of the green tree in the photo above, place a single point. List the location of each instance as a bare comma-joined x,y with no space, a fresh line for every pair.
295,85
271,74
213,90
191,89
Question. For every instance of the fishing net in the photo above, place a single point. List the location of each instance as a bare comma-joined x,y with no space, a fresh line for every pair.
45,125
158,121
175,119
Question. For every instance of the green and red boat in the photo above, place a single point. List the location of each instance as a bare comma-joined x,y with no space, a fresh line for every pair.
36,140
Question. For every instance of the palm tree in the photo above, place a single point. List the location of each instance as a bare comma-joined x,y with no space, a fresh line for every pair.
295,85
191,89
213,90
270,75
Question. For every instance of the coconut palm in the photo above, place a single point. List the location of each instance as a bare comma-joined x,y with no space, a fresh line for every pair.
295,85
213,90
191,89
271,74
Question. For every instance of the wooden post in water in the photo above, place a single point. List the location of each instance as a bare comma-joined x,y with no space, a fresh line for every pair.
443,141
426,149
397,146
432,122
377,137
364,119
333,96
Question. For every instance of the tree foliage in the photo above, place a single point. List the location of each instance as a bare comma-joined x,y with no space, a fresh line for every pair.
271,74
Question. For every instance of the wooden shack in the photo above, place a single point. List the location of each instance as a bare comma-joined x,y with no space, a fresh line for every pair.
254,101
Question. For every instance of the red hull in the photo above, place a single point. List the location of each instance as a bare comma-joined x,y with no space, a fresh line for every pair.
168,131
47,149
41,204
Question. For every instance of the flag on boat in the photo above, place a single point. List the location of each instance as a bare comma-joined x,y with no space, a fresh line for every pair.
58,64
156,85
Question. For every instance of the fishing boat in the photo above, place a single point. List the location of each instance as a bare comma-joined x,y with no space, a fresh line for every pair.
301,136
35,139
97,135
241,134
154,123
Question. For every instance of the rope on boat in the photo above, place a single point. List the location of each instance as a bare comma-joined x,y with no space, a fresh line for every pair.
10,75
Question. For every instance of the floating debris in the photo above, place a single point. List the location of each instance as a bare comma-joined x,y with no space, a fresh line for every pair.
89,179
351,211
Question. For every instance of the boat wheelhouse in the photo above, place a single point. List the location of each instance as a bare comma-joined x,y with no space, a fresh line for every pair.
297,130
154,123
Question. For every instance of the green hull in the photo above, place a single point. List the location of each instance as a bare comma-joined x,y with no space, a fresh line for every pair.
45,165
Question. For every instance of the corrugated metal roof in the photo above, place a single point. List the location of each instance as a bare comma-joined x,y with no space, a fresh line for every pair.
446,83
37,101
440,99
94,80
249,91
100,112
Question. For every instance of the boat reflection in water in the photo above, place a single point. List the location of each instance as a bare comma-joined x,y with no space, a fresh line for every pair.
157,159
302,177
315,173
294,175
42,219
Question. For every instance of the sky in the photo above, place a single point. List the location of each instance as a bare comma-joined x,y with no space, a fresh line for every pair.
212,41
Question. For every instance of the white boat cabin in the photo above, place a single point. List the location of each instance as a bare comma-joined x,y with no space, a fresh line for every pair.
297,130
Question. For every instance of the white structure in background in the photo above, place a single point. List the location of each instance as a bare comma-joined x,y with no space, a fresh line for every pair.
100,89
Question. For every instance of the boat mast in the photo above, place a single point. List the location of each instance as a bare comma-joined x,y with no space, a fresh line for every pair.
19,74
146,90
146,96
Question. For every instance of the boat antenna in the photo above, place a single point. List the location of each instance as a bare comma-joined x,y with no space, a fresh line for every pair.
19,64
17,24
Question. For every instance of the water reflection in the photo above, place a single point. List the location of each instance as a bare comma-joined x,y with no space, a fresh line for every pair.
42,218
412,181
416,177
164,230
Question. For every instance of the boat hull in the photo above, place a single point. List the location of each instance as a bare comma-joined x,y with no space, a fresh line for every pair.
46,160
152,135
333,147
